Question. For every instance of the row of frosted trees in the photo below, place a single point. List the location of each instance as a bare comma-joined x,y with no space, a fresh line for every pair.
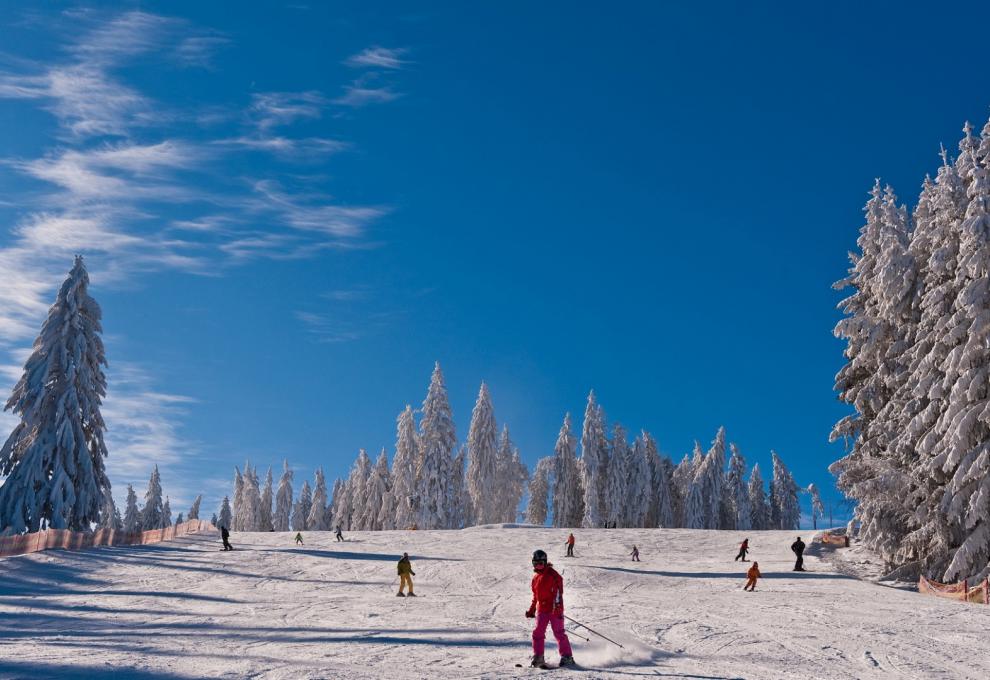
613,483
618,484
917,328
156,513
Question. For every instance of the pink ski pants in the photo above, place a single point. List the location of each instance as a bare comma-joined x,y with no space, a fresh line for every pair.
556,622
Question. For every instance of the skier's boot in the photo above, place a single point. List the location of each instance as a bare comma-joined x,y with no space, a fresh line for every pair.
538,661
411,594
400,594
567,661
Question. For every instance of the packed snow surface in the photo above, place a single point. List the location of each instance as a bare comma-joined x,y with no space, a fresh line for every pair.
272,609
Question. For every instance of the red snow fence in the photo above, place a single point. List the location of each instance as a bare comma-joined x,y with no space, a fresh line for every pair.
841,541
58,539
979,594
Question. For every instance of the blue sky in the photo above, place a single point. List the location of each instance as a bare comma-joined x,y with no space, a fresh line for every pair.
290,211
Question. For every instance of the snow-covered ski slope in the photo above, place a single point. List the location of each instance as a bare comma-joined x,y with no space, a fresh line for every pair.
328,610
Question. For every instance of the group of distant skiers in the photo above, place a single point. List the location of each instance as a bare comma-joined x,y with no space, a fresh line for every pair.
547,605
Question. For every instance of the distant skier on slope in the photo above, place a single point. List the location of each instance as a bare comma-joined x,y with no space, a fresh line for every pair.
299,540
547,607
743,549
570,545
751,576
798,548
225,536
635,554
339,534
405,576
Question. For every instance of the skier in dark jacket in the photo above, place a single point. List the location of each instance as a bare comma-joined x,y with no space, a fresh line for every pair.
798,548
743,549
340,536
225,535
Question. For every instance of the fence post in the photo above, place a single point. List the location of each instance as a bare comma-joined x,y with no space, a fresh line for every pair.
986,590
965,590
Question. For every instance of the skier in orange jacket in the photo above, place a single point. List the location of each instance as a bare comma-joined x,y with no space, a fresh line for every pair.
752,575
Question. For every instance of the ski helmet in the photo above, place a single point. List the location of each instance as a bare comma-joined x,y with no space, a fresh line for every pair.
539,557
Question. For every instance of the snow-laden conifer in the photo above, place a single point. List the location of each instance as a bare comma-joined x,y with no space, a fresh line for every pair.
617,479
460,508
681,480
109,516
151,513
713,480
785,495
249,516
166,514
482,446
759,512
640,489
695,507
335,500
194,508
404,471
317,519
213,519
568,504
594,461
225,517
283,499
663,484
300,513
437,439
180,519
376,492
358,484
132,516
265,514
539,489
53,459
737,492
343,507
817,507
238,502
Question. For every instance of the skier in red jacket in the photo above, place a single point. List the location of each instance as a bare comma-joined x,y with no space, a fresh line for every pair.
548,608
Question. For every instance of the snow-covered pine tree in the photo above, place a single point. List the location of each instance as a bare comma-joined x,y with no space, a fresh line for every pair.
714,480
817,507
404,471
53,459
250,519
785,495
300,513
265,512
194,508
437,439
180,519
663,483
511,476
151,513
594,463
759,512
460,509
237,507
283,499
376,492
519,482
132,516
539,489
225,518
617,479
935,246
343,508
568,503
737,493
681,480
166,515
335,499
109,517
317,518
641,493
358,485
214,520
696,507
962,451
482,457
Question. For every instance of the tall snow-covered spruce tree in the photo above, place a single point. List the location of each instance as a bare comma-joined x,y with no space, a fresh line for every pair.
437,439
482,457
54,458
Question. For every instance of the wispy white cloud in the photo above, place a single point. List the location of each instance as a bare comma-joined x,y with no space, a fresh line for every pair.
325,329
309,148
199,51
271,109
378,57
356,96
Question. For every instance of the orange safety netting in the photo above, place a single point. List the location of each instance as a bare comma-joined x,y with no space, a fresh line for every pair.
76,540
978,593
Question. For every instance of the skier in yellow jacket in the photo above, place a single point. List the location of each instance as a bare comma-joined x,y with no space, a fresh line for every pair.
405,576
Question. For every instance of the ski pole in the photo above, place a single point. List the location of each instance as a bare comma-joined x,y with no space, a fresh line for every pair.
592,630
571,632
